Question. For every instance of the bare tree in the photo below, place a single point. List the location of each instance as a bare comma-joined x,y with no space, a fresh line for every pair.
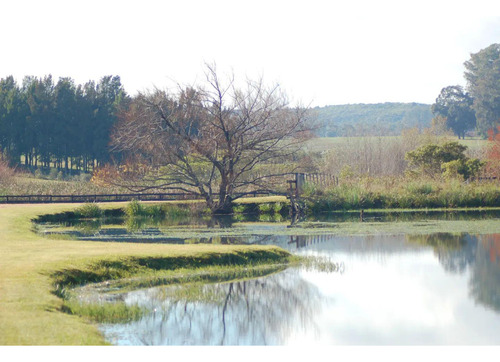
218,141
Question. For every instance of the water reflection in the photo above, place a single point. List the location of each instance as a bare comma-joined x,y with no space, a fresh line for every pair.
264,311
480,255
137,224
396,289
485,283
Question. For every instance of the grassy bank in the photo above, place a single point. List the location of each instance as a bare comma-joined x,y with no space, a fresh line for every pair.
402,193
31,310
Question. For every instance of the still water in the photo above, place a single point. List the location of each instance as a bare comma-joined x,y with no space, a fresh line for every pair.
438,289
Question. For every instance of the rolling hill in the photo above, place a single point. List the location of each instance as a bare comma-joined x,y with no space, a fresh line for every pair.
371,119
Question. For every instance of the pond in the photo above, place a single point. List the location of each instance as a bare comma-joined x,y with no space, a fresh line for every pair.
249,229
438,289
391,289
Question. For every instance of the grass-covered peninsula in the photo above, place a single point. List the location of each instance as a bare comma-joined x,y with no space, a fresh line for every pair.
32,310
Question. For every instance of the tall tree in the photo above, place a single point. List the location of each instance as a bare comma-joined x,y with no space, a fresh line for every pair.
8,92
41,125
456,106
217,141
483,82
65,120
110,98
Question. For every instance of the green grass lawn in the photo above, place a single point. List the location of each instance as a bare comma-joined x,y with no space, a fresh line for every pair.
30,312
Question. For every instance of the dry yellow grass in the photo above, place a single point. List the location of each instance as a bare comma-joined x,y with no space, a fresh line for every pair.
29,312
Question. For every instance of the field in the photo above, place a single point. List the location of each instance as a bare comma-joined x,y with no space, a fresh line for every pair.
321,144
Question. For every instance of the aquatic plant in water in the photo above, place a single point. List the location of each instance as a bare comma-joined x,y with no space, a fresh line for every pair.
88,211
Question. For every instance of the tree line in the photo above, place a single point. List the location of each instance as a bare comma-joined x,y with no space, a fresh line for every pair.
44,123
371,119
478,105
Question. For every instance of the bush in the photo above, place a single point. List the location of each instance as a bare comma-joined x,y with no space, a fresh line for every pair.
137,209
270,208
448,160
133,208
265,208
89,211
239,209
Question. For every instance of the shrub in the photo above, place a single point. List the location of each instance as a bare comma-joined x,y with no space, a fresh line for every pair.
265,208
462,169
239,209
133,208
448,160
171,210
89,211
137,209
277,206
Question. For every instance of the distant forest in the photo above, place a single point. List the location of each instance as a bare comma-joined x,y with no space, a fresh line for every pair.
60,124
371,119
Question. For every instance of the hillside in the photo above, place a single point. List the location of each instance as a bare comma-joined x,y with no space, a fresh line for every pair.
371,119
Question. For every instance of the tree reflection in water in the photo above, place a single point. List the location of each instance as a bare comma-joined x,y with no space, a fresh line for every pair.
265,311
485,279
286,307
480,254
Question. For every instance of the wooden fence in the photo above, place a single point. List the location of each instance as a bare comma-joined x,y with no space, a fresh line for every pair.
319,179
47,199
295,186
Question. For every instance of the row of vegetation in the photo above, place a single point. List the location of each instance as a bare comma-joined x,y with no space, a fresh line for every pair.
160,211
394,193
350,120
44,123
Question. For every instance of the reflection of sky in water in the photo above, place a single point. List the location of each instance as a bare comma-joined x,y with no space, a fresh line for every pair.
391,292
406,300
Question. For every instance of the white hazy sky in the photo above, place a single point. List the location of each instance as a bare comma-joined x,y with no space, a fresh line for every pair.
320,52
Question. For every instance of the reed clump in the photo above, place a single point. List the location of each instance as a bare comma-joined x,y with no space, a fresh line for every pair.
104,312
266,211
138,209
89,211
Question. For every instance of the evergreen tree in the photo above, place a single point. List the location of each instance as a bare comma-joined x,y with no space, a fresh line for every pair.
60,124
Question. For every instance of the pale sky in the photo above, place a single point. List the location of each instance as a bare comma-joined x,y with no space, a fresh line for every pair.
320,52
